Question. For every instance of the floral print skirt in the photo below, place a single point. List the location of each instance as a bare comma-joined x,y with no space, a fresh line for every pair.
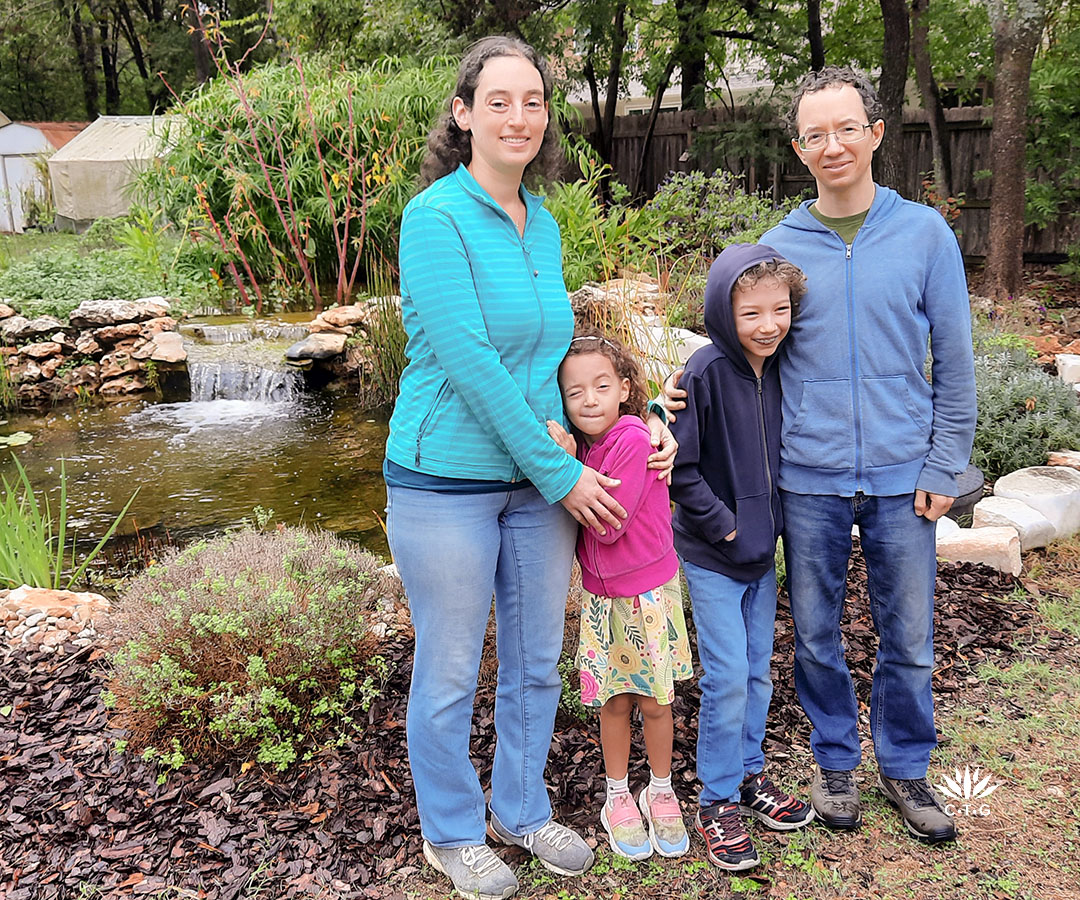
633,645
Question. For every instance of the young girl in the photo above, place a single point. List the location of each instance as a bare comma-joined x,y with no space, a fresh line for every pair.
633,644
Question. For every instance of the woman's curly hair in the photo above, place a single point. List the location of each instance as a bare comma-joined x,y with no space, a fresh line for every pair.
623,361
448,146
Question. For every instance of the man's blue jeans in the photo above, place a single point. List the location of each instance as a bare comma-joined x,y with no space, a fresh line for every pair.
901,566
734,622
453,552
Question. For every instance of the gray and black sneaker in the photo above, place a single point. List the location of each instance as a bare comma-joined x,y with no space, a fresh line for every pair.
835,798
922,809
477,873
557,847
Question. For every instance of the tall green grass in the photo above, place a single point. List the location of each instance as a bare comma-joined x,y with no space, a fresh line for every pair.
33,537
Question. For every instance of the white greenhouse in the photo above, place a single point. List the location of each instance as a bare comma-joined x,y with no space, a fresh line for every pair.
22,147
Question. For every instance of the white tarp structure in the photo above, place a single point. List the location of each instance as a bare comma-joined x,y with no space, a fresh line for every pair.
92,175
21,145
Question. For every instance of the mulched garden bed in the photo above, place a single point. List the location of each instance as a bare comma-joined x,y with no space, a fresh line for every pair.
78,820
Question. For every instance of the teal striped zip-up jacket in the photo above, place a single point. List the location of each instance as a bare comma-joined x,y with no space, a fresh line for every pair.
488,321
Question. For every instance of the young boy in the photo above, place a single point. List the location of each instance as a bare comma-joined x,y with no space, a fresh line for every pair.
726,522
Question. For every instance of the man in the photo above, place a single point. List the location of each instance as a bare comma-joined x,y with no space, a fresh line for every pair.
867,441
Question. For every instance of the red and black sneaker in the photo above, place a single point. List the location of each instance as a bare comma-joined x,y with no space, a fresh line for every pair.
760,798
726,839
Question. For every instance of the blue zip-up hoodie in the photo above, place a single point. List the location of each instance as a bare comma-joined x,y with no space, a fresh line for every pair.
859,414
729,440
488,321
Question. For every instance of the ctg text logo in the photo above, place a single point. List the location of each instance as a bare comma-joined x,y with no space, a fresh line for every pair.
966,793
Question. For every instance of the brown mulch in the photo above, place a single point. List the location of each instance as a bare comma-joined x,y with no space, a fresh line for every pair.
73,813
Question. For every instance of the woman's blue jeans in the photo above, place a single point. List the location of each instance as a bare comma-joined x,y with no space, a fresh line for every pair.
901,566
734,621
453,552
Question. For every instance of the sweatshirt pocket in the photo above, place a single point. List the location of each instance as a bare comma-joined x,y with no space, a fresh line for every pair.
822,436
894,430
755,537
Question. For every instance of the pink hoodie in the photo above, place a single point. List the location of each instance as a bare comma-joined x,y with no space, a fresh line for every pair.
639,556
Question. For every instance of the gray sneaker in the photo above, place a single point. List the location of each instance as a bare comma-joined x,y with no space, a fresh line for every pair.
835,798
922,809
556,846
477,873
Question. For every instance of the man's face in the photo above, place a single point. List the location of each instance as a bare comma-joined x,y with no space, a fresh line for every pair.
837,167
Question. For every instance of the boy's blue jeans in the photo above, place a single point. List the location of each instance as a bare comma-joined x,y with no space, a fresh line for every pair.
453,551
734,622
901,565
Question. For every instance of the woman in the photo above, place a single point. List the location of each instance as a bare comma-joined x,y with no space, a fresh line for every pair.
477,493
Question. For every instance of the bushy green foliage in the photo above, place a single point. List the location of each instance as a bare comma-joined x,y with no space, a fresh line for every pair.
596,241
252,644
270,162
701,214
1023,412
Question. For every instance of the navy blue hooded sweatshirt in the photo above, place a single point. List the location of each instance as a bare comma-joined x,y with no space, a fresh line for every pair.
729,440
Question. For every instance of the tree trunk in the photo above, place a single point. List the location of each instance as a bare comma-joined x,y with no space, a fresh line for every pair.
109,70
82,41
894,68
931,99
204,65
646,144
603,140
813,35
1016,38
618,45
690,51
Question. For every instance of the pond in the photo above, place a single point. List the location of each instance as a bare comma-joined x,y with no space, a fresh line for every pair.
252,435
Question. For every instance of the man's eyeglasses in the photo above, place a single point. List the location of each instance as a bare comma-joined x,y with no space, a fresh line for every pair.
849,134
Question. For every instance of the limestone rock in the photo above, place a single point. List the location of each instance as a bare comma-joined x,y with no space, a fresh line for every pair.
341,316
1068,366
995,547
155,326
111,334
87,346
6,311
945,526
1070,458
317,346
127,384
1034,528
319,326
1052,490
49,366
168,347
64,340
95,313
115,364
40,393
29,373
42,350
84,376
11,327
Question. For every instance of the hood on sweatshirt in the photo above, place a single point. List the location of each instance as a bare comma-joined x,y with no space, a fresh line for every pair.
719,316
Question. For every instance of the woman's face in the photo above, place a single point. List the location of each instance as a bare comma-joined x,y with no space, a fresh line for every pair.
507,120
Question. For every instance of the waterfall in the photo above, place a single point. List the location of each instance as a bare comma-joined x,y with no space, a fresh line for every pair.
242,381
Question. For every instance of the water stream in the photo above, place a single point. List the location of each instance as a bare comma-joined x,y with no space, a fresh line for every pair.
252,435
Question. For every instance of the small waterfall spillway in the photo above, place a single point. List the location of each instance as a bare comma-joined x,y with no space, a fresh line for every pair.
251,434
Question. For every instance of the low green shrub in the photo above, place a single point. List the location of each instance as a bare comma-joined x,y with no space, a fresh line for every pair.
1023,413
252,645
699,214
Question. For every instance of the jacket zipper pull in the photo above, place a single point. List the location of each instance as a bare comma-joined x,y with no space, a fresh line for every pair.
848,250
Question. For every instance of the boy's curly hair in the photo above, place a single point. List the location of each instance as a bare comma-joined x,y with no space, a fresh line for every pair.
779,270
623,361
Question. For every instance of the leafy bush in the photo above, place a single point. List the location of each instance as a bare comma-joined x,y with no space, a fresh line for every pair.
701,214
298,172
1023,412
251,643
596,242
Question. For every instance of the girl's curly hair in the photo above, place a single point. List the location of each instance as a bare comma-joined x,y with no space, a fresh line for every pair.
623,361
448,146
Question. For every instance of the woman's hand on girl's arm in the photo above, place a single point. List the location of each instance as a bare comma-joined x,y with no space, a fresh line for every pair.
591,504
660,436
562,437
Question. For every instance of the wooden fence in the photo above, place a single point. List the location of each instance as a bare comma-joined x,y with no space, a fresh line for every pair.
708,139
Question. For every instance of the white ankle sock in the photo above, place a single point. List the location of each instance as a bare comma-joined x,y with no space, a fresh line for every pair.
657,785
616,786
